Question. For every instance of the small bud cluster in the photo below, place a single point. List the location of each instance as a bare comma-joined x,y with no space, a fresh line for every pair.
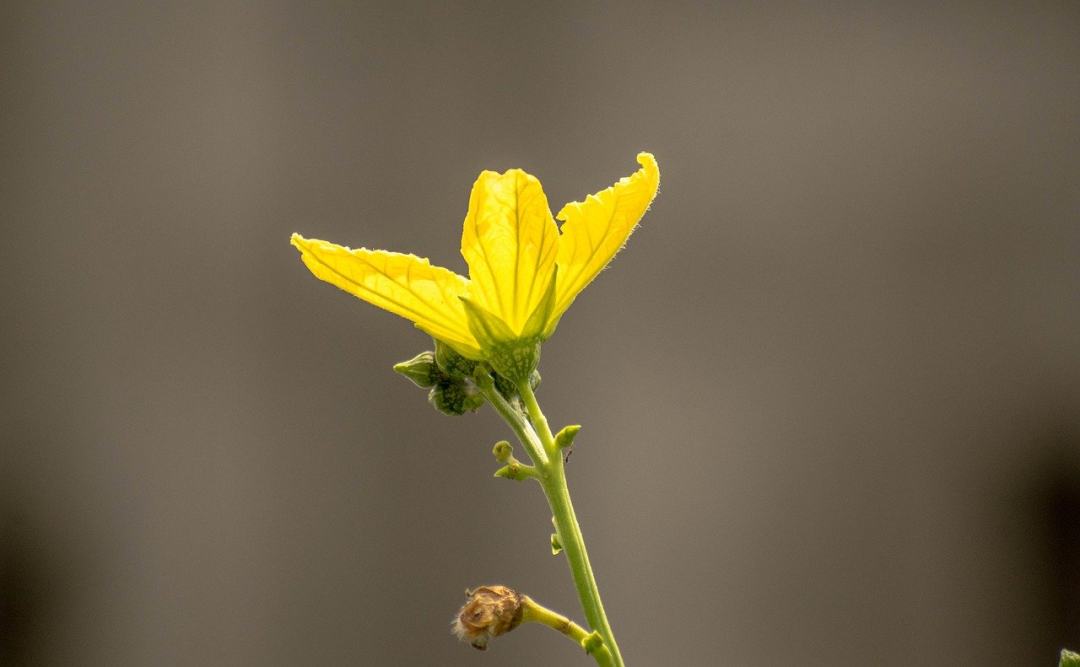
448,376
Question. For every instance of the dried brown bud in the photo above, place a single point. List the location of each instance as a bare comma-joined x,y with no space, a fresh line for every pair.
489,612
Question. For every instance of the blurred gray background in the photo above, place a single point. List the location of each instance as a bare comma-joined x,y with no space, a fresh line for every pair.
831,389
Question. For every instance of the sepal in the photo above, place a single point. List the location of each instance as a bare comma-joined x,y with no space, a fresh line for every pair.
486,327
512,356
517,361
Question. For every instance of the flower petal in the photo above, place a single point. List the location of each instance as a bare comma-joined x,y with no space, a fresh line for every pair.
510,242
405,285
597,228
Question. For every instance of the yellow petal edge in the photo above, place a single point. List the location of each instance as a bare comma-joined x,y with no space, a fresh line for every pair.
406,285
524,270
594,230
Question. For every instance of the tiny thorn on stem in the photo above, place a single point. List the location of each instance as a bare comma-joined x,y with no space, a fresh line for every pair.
592,642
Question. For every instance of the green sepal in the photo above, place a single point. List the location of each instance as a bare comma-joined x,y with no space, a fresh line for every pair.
550,329
511,355
565,437
517,361
452,363
1069,659
421,370
536,325
556,545
455,397
488,329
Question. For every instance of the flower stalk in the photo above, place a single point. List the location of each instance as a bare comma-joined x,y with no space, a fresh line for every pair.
591,642
531,428
572,542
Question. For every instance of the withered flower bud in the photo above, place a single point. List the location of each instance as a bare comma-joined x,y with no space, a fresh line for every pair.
489,612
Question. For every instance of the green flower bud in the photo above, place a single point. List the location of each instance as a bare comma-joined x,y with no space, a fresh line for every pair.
452,363
455,398
556,545
565,437
1069,659
421,370
514,469
503,451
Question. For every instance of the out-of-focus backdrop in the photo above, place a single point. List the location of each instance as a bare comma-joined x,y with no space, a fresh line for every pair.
831,388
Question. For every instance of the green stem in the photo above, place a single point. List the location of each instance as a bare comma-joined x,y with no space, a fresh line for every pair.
553,480
532,612
515,419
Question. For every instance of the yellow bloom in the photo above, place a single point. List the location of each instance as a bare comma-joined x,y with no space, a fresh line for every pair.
524,271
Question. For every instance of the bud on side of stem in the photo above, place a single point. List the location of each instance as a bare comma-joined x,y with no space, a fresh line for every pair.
514,469
490,611
503,451
421,370
565,437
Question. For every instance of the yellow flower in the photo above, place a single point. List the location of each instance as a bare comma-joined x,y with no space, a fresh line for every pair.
524,271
